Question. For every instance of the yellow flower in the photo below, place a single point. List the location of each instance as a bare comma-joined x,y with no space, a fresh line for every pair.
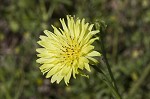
67,50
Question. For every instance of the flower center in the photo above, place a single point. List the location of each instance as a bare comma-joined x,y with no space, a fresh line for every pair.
70,52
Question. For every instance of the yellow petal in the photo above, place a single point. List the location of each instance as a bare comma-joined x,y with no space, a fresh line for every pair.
87,67
86,49
45,66
59,79
43,37
81,64
84,59
74,70
67,77
90,27
91,40
65,70
47,33
94,53
94,32
92,59
52,71
47,45
77,29
41,50
46,60
54,78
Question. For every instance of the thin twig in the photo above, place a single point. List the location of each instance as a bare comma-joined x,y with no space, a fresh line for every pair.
107,81
102,28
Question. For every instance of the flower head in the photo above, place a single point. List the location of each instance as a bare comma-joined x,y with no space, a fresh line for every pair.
67,50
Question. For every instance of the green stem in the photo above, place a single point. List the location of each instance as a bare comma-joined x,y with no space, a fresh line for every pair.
107,63
107,81
101,26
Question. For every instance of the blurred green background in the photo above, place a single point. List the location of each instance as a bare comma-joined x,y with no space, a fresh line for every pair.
127,42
